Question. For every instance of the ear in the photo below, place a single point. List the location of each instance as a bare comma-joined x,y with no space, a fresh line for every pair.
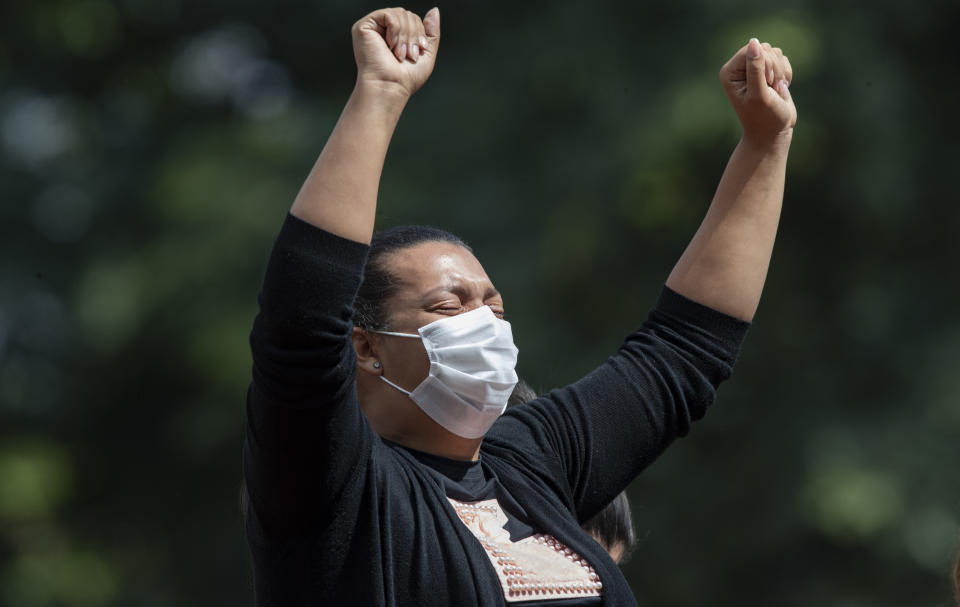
366,352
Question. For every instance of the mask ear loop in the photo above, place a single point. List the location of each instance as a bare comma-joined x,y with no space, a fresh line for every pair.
407,392
395,334
413,335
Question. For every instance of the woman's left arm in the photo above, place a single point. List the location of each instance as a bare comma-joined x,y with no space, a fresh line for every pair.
604,429
725,265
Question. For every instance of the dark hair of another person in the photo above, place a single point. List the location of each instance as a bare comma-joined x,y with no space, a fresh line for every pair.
612,527
379,284
522,393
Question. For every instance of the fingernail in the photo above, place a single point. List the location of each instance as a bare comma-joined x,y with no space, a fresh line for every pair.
423,42
753,49
415,51
770,76
403,51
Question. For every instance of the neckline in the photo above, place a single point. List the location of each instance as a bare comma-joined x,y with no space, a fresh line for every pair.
454,469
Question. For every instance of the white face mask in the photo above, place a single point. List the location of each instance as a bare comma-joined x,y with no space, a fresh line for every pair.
472,361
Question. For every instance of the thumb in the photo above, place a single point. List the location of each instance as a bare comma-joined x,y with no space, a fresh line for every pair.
431,23
756,69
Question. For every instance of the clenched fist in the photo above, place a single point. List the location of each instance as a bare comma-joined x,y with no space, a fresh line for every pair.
756,80
395,49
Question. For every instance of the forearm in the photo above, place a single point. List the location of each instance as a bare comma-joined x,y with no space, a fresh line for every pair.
725,265
340,194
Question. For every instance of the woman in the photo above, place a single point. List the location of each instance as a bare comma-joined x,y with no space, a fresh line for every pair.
378,468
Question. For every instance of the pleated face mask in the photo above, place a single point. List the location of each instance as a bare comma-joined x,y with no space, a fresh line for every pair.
472,371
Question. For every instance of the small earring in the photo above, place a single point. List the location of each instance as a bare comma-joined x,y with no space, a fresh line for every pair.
376,364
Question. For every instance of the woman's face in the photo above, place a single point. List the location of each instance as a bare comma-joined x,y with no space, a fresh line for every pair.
438,280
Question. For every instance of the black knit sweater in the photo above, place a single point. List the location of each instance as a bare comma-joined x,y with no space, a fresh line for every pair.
339,516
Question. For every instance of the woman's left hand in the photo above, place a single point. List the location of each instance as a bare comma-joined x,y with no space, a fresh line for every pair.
756,80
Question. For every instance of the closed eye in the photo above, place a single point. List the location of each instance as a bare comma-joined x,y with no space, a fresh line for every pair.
498,310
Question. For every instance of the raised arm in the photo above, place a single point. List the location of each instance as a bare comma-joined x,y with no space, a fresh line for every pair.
725,265
395,53
306,437
605,428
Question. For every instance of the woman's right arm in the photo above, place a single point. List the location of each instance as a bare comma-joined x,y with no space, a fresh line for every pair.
305,434
340,194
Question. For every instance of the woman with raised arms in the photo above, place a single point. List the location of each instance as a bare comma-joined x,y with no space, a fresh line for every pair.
379,464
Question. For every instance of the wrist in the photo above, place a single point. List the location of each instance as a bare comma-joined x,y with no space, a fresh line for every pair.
390,97
768,144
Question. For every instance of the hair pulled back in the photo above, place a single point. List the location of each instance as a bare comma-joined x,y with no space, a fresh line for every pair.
379,283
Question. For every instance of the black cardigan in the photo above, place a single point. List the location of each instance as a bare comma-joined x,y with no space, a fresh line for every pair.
339,516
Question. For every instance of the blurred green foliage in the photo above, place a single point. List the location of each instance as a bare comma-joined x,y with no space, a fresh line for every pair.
149,151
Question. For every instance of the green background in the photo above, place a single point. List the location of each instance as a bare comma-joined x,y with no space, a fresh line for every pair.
149,150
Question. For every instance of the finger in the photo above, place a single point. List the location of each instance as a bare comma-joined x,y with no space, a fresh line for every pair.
413,36
780,72
770,67
756,68
401,48
373,23
734,69
783,89
787,69
421,34
431,27
417,37
388,21
770,72
394,31
408,29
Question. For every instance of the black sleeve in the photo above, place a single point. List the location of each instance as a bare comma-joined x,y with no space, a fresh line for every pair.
305,434
605,428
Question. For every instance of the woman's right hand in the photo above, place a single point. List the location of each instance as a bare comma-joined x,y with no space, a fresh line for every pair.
395,50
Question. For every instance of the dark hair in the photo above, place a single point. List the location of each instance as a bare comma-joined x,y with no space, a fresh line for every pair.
613,527
522,393
379,284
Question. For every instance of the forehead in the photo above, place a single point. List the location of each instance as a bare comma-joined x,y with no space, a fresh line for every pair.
433,265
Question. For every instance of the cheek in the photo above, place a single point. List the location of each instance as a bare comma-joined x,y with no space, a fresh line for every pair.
406,363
